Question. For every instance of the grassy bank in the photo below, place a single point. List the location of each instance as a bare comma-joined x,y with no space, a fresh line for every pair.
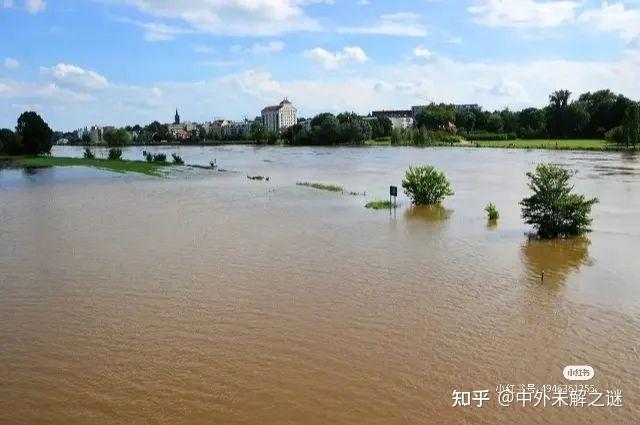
571,144
119,166
379,205
322,186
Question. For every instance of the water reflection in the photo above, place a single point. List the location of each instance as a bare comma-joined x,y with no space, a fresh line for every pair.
32,171
556,258
428,213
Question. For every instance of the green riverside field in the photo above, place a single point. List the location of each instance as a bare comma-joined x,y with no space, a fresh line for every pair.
119,166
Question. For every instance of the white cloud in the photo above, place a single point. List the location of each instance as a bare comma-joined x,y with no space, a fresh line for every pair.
398,24
7,4
271,47
523,13
202,48
233,17
35,6
74,77
11,63
422,52
67,102
335,60
614,17
512,91
155,31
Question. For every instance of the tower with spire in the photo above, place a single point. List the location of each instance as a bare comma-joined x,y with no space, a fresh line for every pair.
176,120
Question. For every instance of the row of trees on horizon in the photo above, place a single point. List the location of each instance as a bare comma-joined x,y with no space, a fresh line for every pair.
593,115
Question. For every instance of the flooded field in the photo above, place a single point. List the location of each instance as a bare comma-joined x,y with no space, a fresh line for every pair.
208,298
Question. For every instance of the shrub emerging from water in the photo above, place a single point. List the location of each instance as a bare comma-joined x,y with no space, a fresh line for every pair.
158,158
177,159
379,205
258,178
425,185
115,153
492,211
553,209
322,186
88,154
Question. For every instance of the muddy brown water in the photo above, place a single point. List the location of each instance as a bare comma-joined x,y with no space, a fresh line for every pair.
207,298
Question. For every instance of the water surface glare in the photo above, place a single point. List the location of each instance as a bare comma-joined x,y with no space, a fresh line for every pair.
208,298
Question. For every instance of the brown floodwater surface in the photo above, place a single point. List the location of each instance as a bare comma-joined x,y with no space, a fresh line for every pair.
208,298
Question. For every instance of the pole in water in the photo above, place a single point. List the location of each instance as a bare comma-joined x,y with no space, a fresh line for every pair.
542,276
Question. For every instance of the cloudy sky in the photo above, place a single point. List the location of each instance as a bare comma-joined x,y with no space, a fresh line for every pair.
83,62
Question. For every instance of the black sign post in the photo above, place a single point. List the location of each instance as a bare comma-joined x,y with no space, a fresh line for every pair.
393,193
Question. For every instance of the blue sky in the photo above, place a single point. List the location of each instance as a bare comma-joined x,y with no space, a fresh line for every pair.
116,62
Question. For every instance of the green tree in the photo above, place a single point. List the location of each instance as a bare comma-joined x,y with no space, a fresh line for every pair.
10,142
560,98
352,128
385,126
465,120
86,139
494,123
510,121
258,130
435,117
35,133
425,185
532,123
290,133
325,129
117,137
553,209
631,125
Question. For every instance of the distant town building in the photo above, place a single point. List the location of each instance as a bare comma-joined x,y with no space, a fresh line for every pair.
399,118
96,134
279,117
468,106
237,129
176,119
218,127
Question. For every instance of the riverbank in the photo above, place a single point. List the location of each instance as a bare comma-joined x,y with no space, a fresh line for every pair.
118,166
570,144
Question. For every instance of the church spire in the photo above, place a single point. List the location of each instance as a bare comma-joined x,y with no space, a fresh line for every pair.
177,117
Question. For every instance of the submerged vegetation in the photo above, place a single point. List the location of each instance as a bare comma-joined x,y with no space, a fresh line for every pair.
158,158
380,205
258,178
115,154
425,185
177,159
492,211
322,186
553,209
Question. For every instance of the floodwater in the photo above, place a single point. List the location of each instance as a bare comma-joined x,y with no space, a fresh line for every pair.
207,298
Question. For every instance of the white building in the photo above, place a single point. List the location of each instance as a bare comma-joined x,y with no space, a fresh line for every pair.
400,118
279,117
237,129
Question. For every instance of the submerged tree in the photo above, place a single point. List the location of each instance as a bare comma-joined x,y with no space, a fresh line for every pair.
553,209
425,185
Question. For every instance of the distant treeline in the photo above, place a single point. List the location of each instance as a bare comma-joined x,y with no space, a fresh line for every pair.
345,128
596,115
